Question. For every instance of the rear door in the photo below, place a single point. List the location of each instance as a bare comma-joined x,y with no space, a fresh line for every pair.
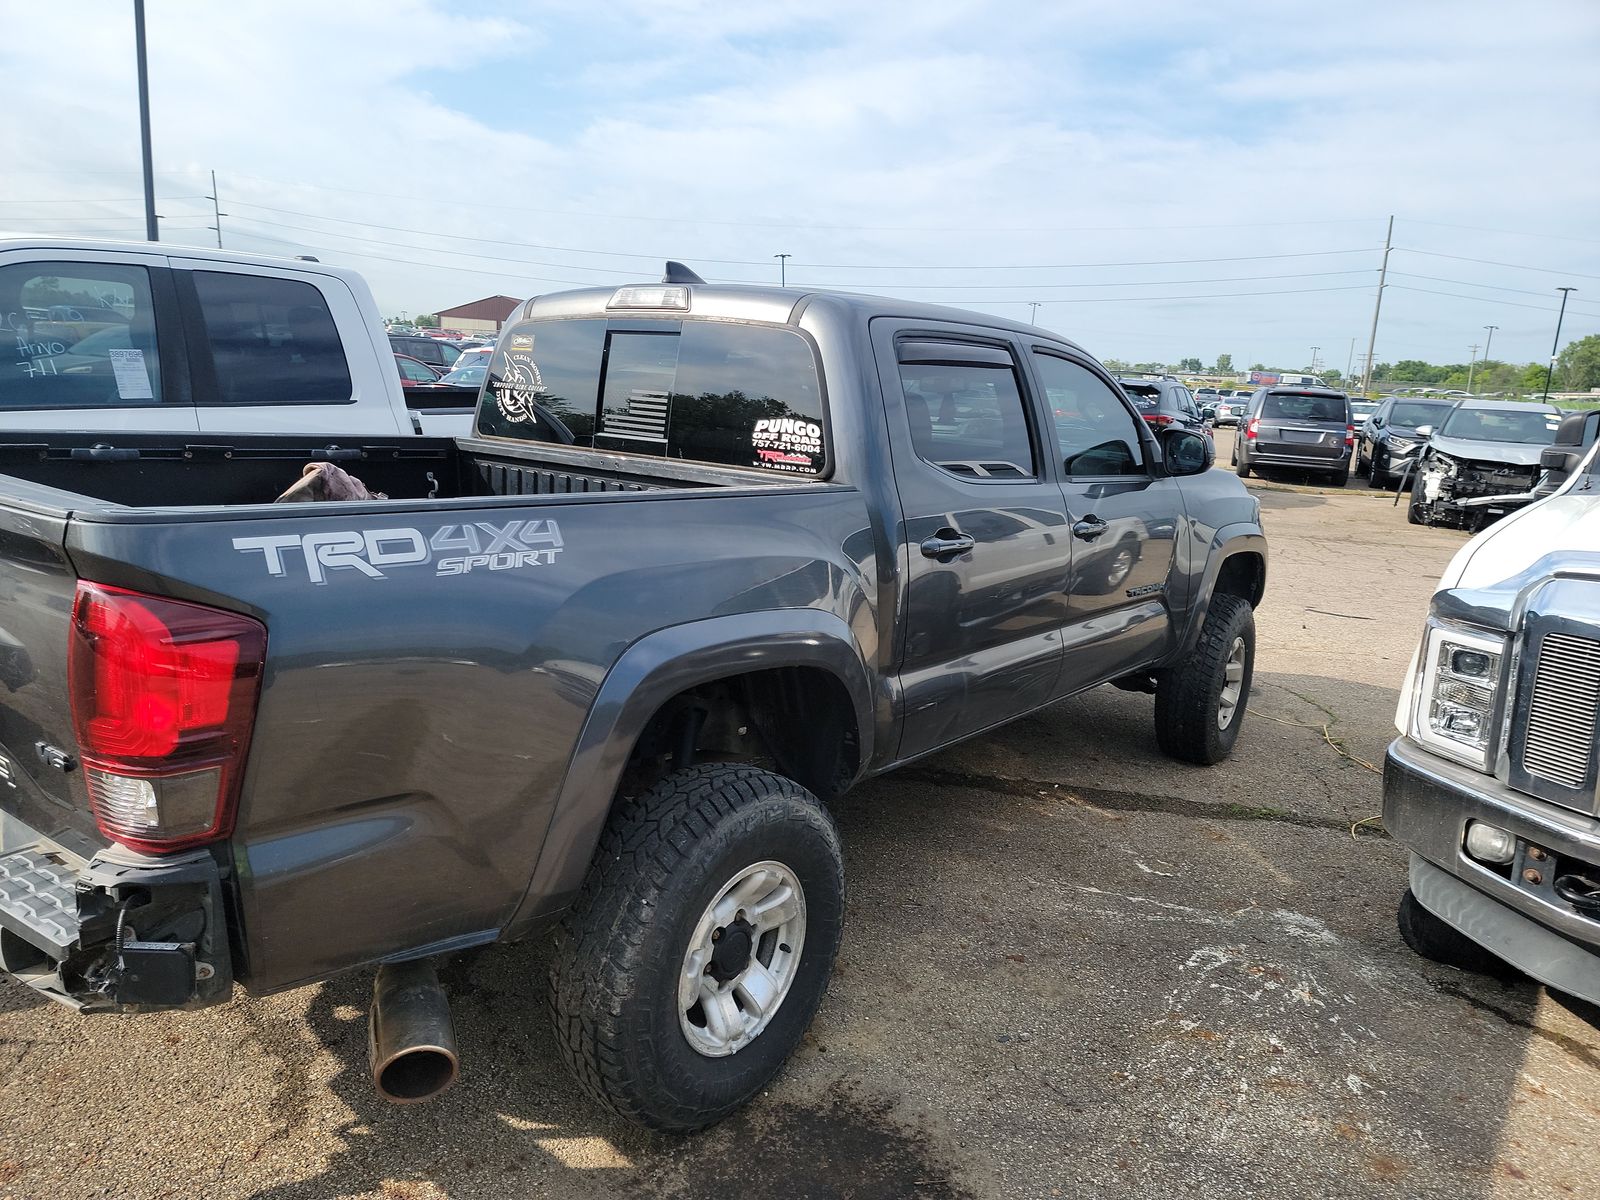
268,353
1125,516
1310,426
90,339
985,530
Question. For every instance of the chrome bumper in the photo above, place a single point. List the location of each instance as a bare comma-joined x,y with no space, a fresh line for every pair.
1427,802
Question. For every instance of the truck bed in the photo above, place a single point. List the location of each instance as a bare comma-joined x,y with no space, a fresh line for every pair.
159,471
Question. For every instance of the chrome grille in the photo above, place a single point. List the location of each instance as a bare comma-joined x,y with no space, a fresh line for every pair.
1559,742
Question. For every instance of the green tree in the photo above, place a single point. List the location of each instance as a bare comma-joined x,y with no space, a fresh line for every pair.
1531,378
1191,365
1115,365
426,321
1578,369
1224,364
1333,376
1258,366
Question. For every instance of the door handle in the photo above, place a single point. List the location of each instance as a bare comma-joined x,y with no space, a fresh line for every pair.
944,548
1089,528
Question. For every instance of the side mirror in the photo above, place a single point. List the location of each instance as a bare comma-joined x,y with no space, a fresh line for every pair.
1186,453
1424,431
1558,458
1377,422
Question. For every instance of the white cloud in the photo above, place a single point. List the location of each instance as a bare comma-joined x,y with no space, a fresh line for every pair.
845,133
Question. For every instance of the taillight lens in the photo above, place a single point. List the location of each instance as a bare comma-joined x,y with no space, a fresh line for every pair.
163,701
1250,429
1158,419
1349,435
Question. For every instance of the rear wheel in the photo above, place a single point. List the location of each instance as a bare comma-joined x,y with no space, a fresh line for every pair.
1241,467
1200,704
1338,479
1434,938
698,950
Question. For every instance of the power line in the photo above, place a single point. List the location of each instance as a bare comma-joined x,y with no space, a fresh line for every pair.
1486,299
1492,263
1558,237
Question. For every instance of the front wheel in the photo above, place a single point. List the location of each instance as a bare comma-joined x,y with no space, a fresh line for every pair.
1377,477
699,948
1435,938
1200,703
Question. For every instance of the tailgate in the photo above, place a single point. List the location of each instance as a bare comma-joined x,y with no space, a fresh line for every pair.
39,782
1301,439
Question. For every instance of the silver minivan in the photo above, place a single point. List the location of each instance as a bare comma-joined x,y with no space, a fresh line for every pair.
1307,428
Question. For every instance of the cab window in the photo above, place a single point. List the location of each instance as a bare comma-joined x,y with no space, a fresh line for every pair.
77,335
1095,432
271,341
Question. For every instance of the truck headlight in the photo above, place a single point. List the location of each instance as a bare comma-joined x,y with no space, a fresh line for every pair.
1457,693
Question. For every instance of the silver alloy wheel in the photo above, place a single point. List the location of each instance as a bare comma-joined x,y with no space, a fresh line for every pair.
1232,684
742,959
1121,565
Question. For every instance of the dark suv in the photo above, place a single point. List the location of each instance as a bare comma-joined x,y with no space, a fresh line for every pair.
1165,404
432,351
1389,440
1305,427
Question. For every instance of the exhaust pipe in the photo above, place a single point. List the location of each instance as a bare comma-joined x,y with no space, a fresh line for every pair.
410,1042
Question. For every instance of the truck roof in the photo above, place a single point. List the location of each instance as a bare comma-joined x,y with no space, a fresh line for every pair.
174,250
757,302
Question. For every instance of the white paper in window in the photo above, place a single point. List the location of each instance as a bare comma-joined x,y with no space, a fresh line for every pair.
133,382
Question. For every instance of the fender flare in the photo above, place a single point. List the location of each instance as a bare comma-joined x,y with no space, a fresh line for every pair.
1241,537
648,674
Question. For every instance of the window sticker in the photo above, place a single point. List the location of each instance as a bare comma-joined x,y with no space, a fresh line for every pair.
786,444
133,381
518,388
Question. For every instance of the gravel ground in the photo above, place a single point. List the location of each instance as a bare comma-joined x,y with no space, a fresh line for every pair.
1071,968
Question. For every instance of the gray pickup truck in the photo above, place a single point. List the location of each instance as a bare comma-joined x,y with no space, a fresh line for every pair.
712,556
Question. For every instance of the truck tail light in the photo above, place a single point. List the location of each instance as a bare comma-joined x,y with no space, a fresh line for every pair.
163,701
1250,429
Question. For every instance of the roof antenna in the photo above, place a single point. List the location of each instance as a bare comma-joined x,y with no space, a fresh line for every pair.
678,273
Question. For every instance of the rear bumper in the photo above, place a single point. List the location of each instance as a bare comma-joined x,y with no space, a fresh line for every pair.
1309,462
60,916
1427,803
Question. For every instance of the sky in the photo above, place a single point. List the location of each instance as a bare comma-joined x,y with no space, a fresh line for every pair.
1165,179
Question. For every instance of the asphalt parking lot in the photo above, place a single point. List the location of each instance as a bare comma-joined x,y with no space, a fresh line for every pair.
1071,968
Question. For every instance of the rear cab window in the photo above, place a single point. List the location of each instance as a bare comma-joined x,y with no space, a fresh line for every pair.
77,335
268,341
721,393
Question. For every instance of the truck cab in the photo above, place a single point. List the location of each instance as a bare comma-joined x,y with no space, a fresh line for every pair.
138,336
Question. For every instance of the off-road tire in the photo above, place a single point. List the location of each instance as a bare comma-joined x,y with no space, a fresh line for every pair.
1436,939
1188,695
620,948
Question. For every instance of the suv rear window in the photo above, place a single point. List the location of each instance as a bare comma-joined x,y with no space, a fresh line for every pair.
1295,406
734,395
1146,397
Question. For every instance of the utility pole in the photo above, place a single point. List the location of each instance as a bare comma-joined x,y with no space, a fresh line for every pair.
1314,350
1555,347
1383,275
1033,312
151,232
783,271
1472,365
216,209
1350,362
1489,341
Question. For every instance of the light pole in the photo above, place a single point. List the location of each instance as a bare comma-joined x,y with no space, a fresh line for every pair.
1472,364
1487,342
1033,312
783,265
151,232
1314,350
1556,345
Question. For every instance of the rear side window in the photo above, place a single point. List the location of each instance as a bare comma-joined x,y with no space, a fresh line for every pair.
271,341
729,394
1294,406
77,335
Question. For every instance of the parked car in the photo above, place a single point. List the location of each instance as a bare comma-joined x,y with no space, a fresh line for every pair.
1294,426
1387,443
414,373
1164,404
599,667
1483,452
1360,412
432,350
187,340
1231,411
477,356
1492,782
1206,395
457,389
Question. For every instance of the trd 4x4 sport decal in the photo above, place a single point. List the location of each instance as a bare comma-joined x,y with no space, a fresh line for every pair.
451,550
